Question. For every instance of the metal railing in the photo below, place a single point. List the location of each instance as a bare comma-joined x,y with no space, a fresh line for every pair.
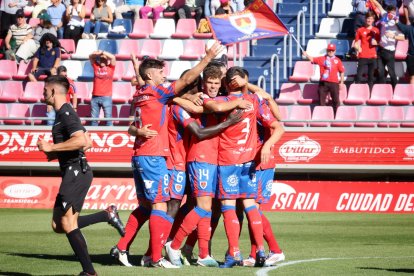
285,57
299,35
261,82
272,74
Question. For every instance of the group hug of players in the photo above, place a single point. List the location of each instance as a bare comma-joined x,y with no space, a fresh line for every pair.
221,144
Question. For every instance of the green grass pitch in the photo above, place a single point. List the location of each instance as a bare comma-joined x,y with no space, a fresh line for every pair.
314,244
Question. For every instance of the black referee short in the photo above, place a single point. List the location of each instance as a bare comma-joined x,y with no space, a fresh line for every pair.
74,187
410,65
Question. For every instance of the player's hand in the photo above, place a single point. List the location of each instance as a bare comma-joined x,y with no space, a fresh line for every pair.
235,116
44,146
243,104
134,59
265,154
263,94
237,81
214,50
196,98
146,132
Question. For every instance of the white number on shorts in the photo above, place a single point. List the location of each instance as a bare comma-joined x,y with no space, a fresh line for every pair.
245,130
203,172
137,117
180,177
166,180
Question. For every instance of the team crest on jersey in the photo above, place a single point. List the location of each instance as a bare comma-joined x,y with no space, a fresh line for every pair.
166,190
232,180
335,61
178,187
268,188
148,183
203,184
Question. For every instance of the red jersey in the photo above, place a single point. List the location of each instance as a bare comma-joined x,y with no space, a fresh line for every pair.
365,37
103,79
237,143
71,91
264,122
178,137
151,108
331,66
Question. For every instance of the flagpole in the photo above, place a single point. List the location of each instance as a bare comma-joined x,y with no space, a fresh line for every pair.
300,46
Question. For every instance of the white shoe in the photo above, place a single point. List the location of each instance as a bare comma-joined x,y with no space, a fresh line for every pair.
207,262
120,255
145,261
273,258
249,262
163,263
173,255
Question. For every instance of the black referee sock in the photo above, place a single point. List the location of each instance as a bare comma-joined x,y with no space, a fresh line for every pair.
87,220
78,243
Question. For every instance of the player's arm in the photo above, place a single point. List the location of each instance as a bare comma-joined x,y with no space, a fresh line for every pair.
145,131
208,132
227,106
189,106
305,54
137,80
277,132
77,141
192,74
88,141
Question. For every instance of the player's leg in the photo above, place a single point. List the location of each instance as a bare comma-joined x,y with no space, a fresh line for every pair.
109,215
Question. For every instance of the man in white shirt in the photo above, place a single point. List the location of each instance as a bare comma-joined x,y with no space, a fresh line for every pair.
409,11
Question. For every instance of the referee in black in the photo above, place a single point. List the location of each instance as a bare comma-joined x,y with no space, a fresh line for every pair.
70,140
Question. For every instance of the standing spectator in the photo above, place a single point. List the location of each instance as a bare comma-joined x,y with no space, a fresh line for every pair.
361,7
75,14
154,6
210,7
408,31
237,5
101,18
365,44
329,66
40,7
18,34
389,36
225,8
408,11
196,6
129,5
29,48
9,15
103,64
47,57
56,12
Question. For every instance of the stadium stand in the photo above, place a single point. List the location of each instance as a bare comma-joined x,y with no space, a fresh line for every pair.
142,29
321,115
33,92
11,91
345,116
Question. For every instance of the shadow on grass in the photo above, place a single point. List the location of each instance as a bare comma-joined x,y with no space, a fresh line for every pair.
103,259
400,270
23,274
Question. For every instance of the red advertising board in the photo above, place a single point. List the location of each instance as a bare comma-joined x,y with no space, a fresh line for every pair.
287,196
114,147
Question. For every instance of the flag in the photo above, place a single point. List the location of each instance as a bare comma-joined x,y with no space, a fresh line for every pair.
255,22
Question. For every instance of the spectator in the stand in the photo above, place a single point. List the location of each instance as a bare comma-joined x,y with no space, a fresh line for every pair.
9,15
103,64
225,7
210,7
408,31
386,3
129,5
47,58
29,48
71,96
389,36
330,65
57,12
156,7
361,7
101,18
18,34
40,7
237,5
365,44
409,11
75,14
190,6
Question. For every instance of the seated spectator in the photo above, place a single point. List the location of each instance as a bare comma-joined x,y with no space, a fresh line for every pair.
330,66
57,12
18,34
237,5
129,5
409,11
190,6
225,7
156,7
210,7
39,7
75,14
101,18
29,48
47,57
9,16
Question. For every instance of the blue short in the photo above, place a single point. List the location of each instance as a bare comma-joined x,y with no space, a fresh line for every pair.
237,181
203,178
177,183
151,178
264,185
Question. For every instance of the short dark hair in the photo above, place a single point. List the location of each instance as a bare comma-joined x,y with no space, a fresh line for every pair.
194,84
148,64
58,80
61,69
370,14
234,71
212,72
390,8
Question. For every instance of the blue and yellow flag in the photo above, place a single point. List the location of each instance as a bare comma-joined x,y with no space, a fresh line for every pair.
255,22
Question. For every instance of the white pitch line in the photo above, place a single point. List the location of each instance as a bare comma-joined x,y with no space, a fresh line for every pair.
264,271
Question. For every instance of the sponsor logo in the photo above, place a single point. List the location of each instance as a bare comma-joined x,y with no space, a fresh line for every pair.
203,184
245,23
364,150
64,204
268,188
232,180
409,153
300,149
252,182
148,183
76,172
286,198
364,202
22,191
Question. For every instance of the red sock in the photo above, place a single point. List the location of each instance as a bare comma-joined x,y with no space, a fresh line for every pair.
192,239
204,234
160,226
231,225
269,236
255,222
253,246
189,224
135,221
